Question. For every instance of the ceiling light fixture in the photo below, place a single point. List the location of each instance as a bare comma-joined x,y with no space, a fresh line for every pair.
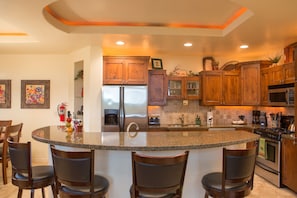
120,43
244,46
188,44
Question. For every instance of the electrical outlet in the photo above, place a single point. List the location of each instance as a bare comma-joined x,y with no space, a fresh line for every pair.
185,102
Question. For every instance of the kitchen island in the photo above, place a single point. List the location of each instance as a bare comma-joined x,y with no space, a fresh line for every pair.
113,152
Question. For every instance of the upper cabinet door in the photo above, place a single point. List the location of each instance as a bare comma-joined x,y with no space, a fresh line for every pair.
211,87
125,70
231,88
157,87
113,70
250,84
136,71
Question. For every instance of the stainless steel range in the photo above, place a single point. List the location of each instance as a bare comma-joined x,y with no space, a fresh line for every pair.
268,162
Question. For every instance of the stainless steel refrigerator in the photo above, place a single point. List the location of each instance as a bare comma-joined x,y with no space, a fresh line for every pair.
122,105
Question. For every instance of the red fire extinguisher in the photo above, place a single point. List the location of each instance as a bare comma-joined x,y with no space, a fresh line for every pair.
61,109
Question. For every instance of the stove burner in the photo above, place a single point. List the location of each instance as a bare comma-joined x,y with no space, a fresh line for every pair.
272,133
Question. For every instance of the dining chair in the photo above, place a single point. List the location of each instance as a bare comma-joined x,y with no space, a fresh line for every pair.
14,132
4,124
158,176
74,175
26,176
237,176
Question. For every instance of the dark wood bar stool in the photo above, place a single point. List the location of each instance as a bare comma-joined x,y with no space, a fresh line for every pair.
74,175
26,176
237,177
14,132
158,176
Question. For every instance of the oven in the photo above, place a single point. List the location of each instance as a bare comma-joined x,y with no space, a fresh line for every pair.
268,161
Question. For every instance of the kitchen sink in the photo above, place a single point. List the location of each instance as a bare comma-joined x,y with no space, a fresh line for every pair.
182,125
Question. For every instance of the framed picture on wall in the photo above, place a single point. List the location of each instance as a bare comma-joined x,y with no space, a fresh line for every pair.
5,93
35,94
157,63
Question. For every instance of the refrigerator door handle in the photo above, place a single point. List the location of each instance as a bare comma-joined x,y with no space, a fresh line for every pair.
122,110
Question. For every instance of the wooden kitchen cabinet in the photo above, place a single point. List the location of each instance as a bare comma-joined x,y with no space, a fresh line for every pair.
157,87
282,74
289,163
250,83
129,70
264,82
231,88
212,86
220,87
183,87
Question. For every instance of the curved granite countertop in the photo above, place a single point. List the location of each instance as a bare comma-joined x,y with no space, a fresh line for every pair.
142,141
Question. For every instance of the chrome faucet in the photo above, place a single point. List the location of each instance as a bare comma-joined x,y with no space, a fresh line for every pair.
131,124
182,119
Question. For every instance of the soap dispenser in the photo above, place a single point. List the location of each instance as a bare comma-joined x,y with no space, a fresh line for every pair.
197,120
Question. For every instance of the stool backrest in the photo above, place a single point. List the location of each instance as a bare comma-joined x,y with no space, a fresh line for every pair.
239,166
20,156
158,174
74,168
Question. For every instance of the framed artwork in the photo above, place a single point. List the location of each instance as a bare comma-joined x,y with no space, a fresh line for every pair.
35,94
157,63
5,93
207,63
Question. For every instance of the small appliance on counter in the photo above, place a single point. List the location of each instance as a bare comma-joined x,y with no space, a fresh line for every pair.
263,119
256,117
154,119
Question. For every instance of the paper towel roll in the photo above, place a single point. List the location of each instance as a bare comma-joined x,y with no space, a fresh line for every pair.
209,118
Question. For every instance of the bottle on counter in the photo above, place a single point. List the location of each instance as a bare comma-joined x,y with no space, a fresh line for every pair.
209,118
198,120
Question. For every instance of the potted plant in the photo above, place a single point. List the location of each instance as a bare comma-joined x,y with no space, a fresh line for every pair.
275,60
79,75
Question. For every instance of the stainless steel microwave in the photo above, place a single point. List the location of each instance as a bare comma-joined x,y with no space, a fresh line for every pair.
281,95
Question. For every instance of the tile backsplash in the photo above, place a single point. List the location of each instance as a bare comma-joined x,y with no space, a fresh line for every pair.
222,115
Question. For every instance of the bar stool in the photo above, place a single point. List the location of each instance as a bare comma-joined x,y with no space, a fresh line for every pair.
26,176
158,176
14,132
237,177
74,175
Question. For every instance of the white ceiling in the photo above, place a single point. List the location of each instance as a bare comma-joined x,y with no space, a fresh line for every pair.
149,27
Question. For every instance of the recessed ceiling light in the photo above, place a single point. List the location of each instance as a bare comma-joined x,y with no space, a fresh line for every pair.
188,44
120,43
244,46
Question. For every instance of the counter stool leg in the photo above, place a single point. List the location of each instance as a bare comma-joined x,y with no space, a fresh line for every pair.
20,193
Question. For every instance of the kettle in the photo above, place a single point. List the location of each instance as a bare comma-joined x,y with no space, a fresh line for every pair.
291,127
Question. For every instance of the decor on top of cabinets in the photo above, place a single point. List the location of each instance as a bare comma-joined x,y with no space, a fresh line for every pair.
5,93
178,72
157,63
209,63
274,60
35,94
